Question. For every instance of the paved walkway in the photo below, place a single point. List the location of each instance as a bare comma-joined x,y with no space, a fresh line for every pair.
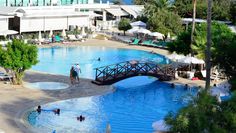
16,100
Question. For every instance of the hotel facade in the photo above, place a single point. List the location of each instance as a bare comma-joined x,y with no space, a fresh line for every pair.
45,15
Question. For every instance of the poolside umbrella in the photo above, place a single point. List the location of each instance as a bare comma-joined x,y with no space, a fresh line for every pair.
138,24
175,56
156,34
63,34
168,35
40,35
133,30
83,31
7,32
191,60
160,126
51,33
144,31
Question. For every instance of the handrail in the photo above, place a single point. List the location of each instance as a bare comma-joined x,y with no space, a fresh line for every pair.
115,72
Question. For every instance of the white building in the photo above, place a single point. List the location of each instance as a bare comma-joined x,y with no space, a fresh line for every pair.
46,18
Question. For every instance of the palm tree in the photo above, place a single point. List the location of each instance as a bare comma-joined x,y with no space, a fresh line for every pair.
193,24
208,50
154,6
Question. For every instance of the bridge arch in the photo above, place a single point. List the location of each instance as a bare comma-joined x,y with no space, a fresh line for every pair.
116,72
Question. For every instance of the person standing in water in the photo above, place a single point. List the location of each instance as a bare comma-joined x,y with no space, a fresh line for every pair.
77,70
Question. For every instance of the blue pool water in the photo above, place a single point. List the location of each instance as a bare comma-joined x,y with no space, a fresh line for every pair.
136,103
58,60
132,108
46,85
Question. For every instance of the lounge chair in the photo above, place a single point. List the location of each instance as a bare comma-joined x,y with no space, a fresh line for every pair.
5,77
146,42
57,38
72,38
135,42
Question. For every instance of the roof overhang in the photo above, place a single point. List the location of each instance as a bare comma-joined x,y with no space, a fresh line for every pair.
117,12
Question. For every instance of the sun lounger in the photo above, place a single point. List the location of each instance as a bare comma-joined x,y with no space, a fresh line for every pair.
5,77
57,38
146,42
135,42
72,38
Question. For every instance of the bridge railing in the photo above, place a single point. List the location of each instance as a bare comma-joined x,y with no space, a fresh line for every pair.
128,68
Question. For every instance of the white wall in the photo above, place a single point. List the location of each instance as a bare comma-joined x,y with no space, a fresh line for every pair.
3,24
79,21
31,24
51,23
55,23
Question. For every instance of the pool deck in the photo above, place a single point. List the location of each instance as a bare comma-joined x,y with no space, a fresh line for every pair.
16,100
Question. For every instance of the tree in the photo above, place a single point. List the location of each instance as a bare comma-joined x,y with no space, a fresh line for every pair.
161,17
124,25
141,2
182,44
223,45
18,57
205,115
193,23
208,50
233,11
166,22
220,9
154,7
142,18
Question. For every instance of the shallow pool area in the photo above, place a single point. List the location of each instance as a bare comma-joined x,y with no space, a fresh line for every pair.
58,60
46,85
136,103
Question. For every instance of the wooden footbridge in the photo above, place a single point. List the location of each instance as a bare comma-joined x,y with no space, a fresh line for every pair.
113,73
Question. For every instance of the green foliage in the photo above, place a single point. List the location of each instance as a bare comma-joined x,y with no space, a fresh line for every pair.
141,2
223,45
142,18
233,11
166,22
205,114
220,9
182,44
18,57
124,25
161,17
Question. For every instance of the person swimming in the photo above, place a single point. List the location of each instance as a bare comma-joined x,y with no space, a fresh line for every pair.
172,85
57,111
99,59
39,109
80,118
186,87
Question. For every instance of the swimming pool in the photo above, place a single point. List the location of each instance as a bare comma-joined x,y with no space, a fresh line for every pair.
133,107
58,60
